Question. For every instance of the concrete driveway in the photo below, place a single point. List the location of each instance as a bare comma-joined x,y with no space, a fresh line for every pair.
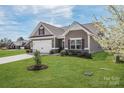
9,59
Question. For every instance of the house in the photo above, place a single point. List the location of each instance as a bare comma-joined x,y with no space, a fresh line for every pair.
76,36
20,43
27,44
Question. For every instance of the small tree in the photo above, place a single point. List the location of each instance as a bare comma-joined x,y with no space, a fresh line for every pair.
111,30
37,57
38,65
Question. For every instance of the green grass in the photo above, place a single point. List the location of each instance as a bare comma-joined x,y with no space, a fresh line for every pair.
64,72
4,53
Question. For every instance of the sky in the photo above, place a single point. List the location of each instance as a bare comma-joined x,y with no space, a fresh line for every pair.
19,21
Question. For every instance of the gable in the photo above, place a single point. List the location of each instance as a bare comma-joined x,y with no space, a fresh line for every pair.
77,26
40,30
48,29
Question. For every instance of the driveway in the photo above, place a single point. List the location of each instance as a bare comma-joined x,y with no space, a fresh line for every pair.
9,59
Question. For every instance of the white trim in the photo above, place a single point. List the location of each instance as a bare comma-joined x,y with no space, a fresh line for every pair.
89,42
86,48
60,37
75,38
66,48
35,29
64,42
66,32
47,28
34,38
38,26
55,48
54,42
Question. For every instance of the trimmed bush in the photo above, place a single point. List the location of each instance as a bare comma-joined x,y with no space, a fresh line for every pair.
53,51
63,53
78,53
28,51
87,55
73,52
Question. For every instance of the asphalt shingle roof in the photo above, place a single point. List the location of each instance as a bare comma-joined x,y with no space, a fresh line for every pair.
55,30
58,31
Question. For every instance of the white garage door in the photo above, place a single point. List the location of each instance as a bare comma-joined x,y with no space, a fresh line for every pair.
44,46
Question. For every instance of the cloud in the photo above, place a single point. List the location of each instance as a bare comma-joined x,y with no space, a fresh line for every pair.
20,20
54,11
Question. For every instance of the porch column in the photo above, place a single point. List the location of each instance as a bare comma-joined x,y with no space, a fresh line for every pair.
89,43
64,42
54,42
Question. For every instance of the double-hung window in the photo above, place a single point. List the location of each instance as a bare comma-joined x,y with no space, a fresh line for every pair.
75,43
72,44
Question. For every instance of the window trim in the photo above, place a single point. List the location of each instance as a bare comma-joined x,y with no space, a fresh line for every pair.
75,40
41,31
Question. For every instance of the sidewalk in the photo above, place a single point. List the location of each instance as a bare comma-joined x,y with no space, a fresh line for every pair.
9,59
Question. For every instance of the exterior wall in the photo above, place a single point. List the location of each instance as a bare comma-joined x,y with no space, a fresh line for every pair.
94,46
46,32
76,34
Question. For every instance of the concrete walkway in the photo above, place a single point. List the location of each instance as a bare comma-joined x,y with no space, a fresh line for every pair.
9,59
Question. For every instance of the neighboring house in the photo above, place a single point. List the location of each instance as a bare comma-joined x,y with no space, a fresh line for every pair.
27,44
76,36
19,44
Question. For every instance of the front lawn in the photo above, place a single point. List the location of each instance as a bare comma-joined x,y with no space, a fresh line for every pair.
64,72
4,53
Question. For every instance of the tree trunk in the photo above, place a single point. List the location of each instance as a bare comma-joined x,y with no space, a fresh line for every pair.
117,58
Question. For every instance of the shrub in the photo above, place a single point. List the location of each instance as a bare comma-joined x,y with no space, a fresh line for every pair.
87,55
37,57
81,54
63,53
53,51
38,63
78,53
73,52
70,53
28,51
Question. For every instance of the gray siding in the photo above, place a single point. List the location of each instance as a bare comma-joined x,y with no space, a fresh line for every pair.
76,34
46,32
94,45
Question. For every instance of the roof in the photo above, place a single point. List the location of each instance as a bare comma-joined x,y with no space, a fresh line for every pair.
55,30
58,31
91,27
20,43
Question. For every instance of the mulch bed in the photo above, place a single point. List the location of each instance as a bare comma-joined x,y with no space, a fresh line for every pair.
37,67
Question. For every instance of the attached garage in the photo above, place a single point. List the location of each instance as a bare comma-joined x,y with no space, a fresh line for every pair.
44,46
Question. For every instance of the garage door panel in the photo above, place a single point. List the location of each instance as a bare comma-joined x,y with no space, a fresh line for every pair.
44,46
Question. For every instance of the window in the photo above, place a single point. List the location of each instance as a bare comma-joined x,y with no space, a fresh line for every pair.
72,42
76,44
41,31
